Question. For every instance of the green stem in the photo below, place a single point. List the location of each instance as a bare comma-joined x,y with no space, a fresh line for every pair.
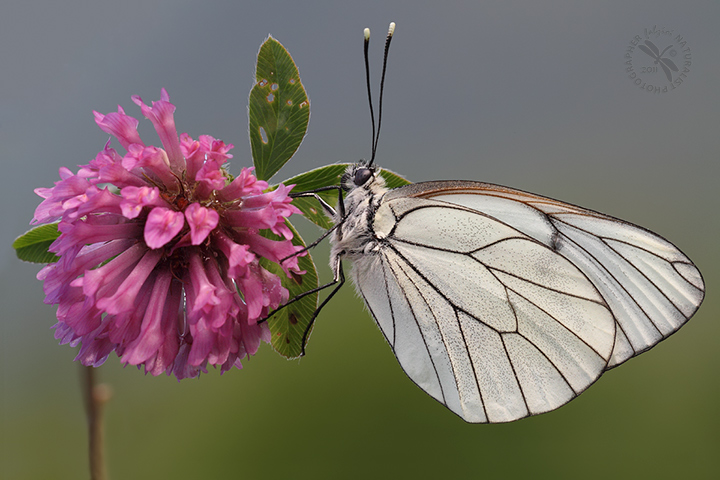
95,398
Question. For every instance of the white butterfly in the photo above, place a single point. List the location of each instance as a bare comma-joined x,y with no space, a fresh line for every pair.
502,304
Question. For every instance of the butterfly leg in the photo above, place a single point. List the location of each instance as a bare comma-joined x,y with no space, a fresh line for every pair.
331,211
303,295
339,281
313,244
323,203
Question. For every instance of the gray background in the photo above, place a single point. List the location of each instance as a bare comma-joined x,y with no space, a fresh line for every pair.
528,94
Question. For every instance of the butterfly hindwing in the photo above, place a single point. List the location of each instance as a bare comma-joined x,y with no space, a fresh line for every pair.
488,320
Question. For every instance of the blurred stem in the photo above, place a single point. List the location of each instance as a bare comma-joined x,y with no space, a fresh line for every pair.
95,398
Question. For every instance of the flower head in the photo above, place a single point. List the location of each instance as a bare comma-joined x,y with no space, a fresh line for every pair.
159,250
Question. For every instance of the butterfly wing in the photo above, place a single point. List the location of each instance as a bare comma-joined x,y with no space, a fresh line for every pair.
486,319
502,304
651,287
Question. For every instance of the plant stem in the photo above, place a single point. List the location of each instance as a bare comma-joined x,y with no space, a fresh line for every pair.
95,398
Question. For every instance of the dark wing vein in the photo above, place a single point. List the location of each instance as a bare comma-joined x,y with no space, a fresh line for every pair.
604,304
662,292
472,363
604,241
387,291
619,283
517,380
546,313
449,250
421,275
407,300
507,354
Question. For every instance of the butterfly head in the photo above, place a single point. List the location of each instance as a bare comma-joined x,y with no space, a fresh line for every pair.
362,175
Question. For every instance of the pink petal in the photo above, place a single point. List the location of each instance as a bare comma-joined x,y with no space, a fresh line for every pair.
214,149
243,185
153,161
91,231
161,116
57,276
172,320
151,335
95,348
99,201
261,219
122,126
209,178
64,197
161,226
202,221
122,300
135,198
262,292
203,340
194,155
201,292
238,256
274,250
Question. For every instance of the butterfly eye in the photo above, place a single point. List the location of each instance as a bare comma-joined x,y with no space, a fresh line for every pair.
362,175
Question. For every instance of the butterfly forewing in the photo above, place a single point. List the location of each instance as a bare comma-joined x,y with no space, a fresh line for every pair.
651,287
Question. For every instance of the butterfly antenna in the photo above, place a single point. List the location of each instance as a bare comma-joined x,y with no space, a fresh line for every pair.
391,30
366,35
376,134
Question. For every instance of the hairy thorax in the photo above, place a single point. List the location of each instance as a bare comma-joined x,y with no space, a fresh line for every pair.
356,238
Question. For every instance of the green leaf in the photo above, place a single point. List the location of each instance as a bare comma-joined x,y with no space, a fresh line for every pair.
393,180
279,109
33,245
323,177
289,324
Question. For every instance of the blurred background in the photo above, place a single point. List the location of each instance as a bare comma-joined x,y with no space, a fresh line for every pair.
529,94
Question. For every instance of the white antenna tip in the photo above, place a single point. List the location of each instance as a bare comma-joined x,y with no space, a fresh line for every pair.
391,30
366,34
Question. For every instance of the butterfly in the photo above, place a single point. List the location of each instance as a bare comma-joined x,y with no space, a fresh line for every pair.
499,303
